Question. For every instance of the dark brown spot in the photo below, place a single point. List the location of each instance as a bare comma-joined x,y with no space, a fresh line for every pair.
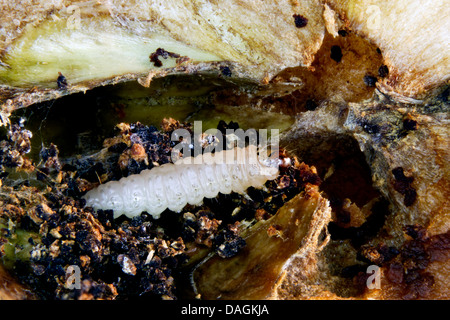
160,52
61,81
371,128
399,175
395,273
343,33
343,216
226,71
410,197
402,185
383,71
300,21
416,232
369,80
228,243
443,96
438,247
409,124
336,53
420,287
311,105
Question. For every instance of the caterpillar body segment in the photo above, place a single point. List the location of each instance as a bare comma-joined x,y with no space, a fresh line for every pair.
189,180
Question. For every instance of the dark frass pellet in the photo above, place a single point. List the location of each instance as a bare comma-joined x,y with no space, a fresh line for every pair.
383,71
300,21
336,53
409,124
369,80
61,81
343,33
310,105
226,71
403,186
160,52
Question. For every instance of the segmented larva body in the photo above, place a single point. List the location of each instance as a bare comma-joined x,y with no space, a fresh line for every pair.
189,180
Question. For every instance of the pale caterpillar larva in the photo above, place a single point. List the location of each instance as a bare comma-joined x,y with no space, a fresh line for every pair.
189,180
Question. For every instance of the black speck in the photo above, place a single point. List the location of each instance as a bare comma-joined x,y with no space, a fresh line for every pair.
160,52
300,21
230,249
93,172
410,197
61,81
311,105
383,71
343,216
369,80
145,133
409,124
353,270
415,231
444,96
399,175
388,253
118,147
336,53
370,127
50,152
343,33
403,186
226,71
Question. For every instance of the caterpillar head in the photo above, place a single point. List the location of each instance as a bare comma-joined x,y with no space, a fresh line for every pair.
268,162
269,167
